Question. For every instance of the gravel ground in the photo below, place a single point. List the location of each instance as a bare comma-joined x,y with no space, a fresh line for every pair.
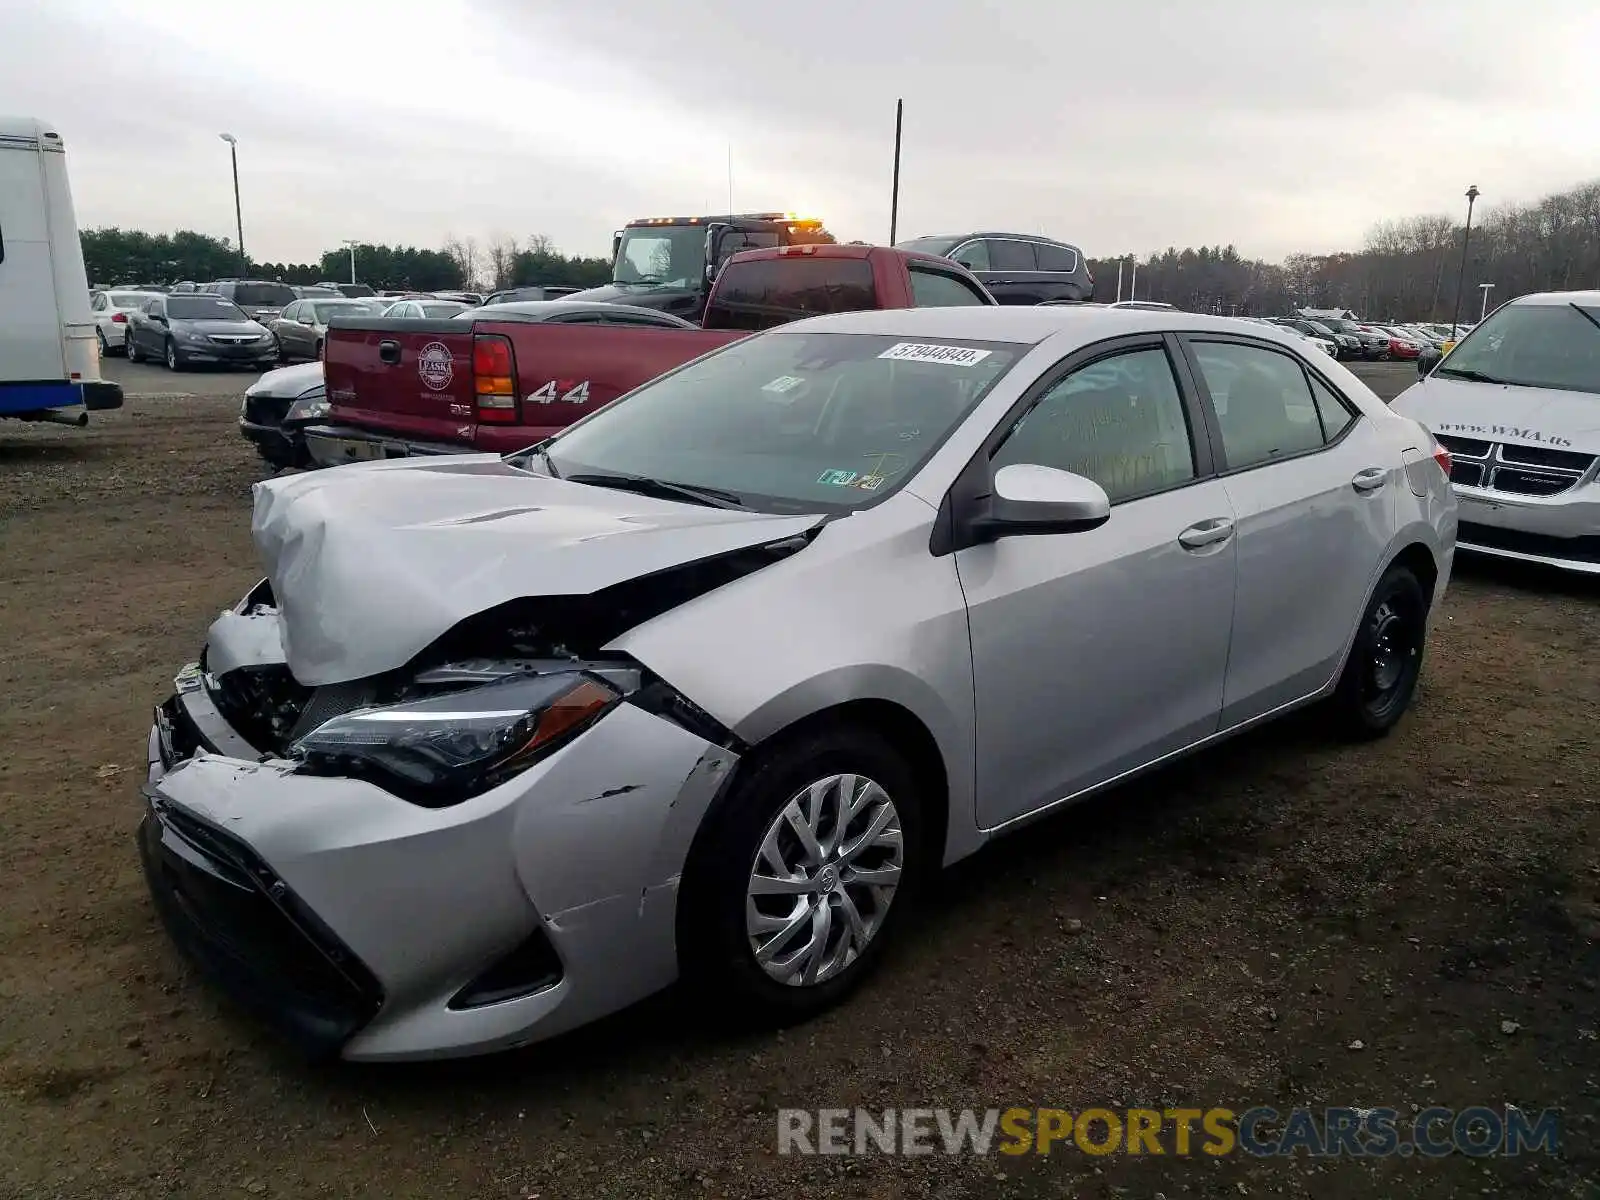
1284,920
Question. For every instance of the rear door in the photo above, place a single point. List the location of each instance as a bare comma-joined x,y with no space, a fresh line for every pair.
30,327
410,378
1313,486
1013,276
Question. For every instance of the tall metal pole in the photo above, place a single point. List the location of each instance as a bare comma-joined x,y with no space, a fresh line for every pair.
894,196
352,243
1461,275
1483,308
1133,280
1119,279
238,212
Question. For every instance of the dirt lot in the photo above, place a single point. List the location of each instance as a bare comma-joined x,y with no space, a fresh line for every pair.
1225,933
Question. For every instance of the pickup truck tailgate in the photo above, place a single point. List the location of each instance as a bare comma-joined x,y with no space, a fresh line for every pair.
411,378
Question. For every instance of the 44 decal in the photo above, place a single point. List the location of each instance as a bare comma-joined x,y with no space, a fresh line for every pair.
565,391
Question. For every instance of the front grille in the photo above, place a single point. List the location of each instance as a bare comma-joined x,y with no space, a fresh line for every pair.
1513,469
250,934
1539,456
1530,483
1466,447
266,410
1573,549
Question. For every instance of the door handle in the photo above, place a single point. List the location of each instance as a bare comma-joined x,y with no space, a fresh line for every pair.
1370,480
1206,533
389,352
1002,281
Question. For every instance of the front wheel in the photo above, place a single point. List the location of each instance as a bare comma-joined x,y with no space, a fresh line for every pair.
1380,676
801,875
131,349
174,362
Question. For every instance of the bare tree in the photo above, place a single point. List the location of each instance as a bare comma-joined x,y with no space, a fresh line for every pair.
501,258
463,253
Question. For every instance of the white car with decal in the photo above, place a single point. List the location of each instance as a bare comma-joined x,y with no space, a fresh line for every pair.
1517,404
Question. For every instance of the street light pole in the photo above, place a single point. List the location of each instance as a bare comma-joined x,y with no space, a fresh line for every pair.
238,212
1461,276
352,243
1484,307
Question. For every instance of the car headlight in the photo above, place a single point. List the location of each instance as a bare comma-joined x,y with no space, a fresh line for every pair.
308,408
444,749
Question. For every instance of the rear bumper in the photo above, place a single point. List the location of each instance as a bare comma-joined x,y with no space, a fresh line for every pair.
335,445
19,398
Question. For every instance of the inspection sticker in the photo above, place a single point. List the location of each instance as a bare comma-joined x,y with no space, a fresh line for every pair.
869,483
838,478
950,356
783,383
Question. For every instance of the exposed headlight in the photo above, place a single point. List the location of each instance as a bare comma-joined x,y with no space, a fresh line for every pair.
444,749
309,408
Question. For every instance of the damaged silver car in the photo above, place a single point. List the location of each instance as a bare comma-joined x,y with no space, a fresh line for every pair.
708,684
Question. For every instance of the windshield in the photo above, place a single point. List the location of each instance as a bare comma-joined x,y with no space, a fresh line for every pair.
1321,330
271,295
791,422
661,254
204,308
443,308
1532,345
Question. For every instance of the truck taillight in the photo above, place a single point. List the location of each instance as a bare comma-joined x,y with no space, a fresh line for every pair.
494,379
1442,457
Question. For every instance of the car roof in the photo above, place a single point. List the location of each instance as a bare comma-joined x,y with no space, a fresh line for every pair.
1580,297
1028,324
994,233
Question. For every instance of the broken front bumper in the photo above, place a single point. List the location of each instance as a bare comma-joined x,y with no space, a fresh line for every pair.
363,925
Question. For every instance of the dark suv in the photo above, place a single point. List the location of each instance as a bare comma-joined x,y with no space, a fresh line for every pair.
262,299
1017,268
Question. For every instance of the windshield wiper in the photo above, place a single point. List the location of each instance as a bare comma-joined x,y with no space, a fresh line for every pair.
1469,375
663,489
1585,314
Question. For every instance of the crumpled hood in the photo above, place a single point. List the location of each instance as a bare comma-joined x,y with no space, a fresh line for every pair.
371,563
1504,413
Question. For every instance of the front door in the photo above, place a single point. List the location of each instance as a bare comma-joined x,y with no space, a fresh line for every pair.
1313,488
1097,652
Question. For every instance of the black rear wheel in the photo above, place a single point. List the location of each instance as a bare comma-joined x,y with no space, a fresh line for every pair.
1380,677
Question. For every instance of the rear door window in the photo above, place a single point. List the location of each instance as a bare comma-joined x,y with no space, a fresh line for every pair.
974,256
764,292
1006,255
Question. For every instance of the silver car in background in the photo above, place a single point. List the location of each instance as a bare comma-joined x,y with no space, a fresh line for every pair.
1517,403
304,324
710,683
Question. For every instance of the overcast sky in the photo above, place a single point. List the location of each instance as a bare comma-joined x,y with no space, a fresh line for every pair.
1127,126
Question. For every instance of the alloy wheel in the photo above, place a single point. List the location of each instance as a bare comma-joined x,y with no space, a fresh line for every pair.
823,879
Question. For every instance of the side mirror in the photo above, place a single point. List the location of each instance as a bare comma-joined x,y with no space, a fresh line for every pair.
716,232
1428,359
1032,499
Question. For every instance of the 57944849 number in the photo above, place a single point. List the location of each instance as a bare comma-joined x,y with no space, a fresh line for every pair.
566,391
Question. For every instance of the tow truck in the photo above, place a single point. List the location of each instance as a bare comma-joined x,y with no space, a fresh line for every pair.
669,263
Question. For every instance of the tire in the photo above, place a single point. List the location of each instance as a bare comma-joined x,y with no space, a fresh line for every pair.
283,355
715,912
1380,676
105,347
319,350
174,360
133,352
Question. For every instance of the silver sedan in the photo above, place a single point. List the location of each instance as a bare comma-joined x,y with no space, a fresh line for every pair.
303,325
708,684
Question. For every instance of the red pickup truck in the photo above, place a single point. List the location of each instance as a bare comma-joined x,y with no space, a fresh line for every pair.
502,378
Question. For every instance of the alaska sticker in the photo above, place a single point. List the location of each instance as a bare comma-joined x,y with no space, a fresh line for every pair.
949,356
838,478
782,384
436,365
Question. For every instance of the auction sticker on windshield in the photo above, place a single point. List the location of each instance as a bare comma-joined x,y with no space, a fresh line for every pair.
436,365
949,356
